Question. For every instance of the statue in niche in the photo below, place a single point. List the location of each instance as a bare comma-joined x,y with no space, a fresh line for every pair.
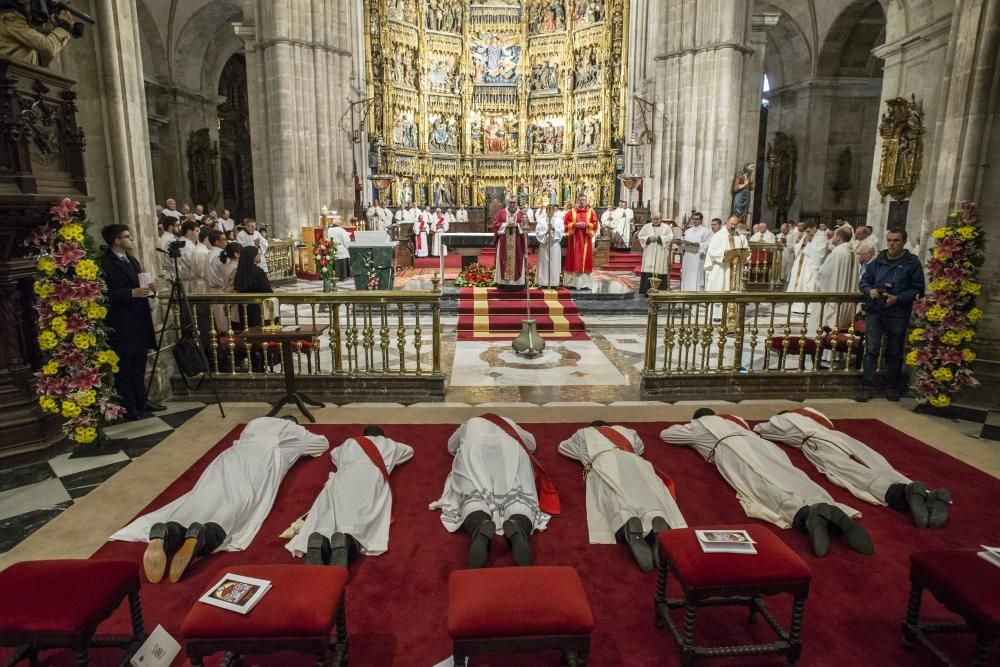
845,163
586,68
404,71
402,10
443,136
202,156
495,60
442,194
782,160
404,130
444,16
588,12
587,133
545,77
442,74
497,135
545,138
405,192
902,130
545,16
742,191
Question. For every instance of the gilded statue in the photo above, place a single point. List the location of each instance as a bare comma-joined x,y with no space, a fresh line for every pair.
902,131
782,160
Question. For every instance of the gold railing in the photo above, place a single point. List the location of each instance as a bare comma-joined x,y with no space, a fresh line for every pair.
280,260
751,334
762,270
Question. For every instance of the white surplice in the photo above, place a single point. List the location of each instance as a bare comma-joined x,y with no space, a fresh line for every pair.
717,269
620,484
257,239
356,499
808,259
838,273
421,230
461,215
621,225
438,227
767,485
491,473
238,488
847,462
199,255
549,251
765,237
693,263
788,258
656,256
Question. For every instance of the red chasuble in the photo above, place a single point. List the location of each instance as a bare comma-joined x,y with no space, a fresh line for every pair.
511,249
580,247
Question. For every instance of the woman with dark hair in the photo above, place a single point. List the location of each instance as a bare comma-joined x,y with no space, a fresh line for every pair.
220,272
251,279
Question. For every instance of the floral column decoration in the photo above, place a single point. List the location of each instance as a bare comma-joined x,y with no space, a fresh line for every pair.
326,254
76,380
946,317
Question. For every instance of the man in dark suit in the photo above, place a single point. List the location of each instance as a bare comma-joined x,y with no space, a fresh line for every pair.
130,320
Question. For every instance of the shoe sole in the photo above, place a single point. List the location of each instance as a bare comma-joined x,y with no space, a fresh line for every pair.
636,541
819,536
154,561
937,508
479,550
917,504
314,551
182,559
857,537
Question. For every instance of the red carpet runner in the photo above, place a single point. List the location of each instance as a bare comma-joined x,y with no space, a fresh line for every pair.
397,602
632,262
486,313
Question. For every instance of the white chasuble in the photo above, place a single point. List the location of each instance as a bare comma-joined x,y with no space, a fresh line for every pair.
717,269
549,236
656,256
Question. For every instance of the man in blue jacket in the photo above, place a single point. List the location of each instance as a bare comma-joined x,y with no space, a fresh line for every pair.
890,283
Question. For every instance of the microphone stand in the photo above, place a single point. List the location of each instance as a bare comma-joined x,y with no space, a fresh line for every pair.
528,343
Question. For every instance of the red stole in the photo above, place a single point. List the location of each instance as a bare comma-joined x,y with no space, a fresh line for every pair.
736,420
372,452
819,419
548,497
622,443
579,252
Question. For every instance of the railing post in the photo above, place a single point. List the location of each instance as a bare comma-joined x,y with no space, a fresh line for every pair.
436,327
652,335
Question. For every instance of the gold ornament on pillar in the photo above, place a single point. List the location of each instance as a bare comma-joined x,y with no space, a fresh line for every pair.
902,131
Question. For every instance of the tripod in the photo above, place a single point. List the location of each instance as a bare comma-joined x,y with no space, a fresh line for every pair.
179,297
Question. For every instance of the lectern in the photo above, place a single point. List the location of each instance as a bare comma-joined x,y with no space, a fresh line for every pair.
373,261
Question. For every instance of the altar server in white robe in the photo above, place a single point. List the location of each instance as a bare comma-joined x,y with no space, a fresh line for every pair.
229,502
383,218
696,239
401,216
352,513
853,465
549,235
621,226
439,225
461,215
492,484
762,234
421,234
449,216
627,498
657,241
789,238
838,273
766,483
717,269
811,252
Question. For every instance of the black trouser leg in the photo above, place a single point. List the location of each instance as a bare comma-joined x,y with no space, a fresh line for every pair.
130,381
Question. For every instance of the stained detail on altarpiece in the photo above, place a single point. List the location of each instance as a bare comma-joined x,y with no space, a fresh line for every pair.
902,131
522,96
782,160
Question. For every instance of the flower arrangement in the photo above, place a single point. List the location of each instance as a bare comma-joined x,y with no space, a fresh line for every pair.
76,380
369,263
477,275
325,253
945,318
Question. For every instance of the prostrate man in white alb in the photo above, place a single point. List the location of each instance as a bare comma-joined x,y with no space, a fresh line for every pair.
229,502
352,513
761,234
627,498
251,236
695,244
838,273
768,486
621,227
342,258
717,269
492,483
549,233
657,241
853,465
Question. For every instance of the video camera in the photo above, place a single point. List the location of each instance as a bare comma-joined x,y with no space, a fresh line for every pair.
173,249
881,301
41,12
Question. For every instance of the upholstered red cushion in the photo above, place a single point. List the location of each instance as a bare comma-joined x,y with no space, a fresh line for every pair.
302,602
774,563
965,578
240,344
62,596
794,342
517,602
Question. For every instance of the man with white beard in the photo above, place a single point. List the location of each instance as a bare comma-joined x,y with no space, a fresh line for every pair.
621,226
717,269
492,482
627,498
696,239
229,502
657,242
767,485
853,465
838,273
762,234
352,513
549,234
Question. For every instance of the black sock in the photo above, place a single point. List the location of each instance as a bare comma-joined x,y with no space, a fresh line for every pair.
799,522
895,497
473,520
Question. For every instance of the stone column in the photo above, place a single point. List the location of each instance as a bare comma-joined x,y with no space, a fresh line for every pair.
300,60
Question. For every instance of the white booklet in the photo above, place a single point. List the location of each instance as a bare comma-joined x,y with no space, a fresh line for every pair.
990,555
726,541
236,593
159,650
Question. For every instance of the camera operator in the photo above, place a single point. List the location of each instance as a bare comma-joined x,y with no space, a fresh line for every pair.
890,282
21,38
130,320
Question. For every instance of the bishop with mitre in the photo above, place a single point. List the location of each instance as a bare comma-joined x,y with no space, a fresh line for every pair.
581,225
512,247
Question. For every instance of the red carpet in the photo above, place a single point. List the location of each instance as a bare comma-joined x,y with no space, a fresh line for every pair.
450,262
486,313
623,262
488,257
397,603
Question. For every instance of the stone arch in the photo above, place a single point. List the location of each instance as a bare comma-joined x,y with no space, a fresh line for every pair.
194,48
788,57
151,45
848,45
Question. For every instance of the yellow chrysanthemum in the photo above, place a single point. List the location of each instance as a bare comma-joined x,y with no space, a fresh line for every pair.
941,233
85,434
975,315
48,404
942,285
968,355
72,232
916,335
107,358
58,326
47,340
114,369
940,401
43,289
70,410
936,313
96,311
46,265
966,232
967,334
943,374
59,307
83,341
85,398
51,368
86,269
951,338
911,358
969,287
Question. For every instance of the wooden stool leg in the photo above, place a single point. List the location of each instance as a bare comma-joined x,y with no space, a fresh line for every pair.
660,598
341,647
83,657
912,621
795,630
982,655
135,609
687,648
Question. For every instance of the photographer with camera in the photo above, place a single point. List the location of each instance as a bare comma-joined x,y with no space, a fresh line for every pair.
35,31
890,282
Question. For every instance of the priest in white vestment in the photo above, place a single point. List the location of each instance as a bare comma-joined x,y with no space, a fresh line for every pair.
762,234
717,269
492,483
791,237
808,259
461,215
657,241
229,502
627,498
838,273
696,239
421,235
621,227
352,513
439,225
252,236
767,485
449,216
549,235
853,465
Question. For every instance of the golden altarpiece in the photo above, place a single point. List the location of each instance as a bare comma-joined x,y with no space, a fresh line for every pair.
476,100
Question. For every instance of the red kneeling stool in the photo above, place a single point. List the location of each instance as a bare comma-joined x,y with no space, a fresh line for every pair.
721,579
59,604
519,610
298,614
964,583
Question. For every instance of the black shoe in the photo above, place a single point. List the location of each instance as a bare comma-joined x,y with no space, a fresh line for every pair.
635,540
517,529
338,551
864,395
816,525
892,395
199,541
318,550
154,407
916,500
479,550
937,506
856,536
164,541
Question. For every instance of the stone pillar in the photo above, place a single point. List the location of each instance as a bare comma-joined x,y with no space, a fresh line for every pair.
699,52
300,59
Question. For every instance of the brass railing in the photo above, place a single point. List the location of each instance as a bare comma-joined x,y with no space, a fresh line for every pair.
762,271
752,337
280,261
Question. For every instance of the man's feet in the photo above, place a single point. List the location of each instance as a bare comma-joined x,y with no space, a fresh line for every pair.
864,395
856,536
164,540
915,494
479,550
808,520
635,540
892,394
517,529
938,501
318,550
154,407
338,551
199,541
